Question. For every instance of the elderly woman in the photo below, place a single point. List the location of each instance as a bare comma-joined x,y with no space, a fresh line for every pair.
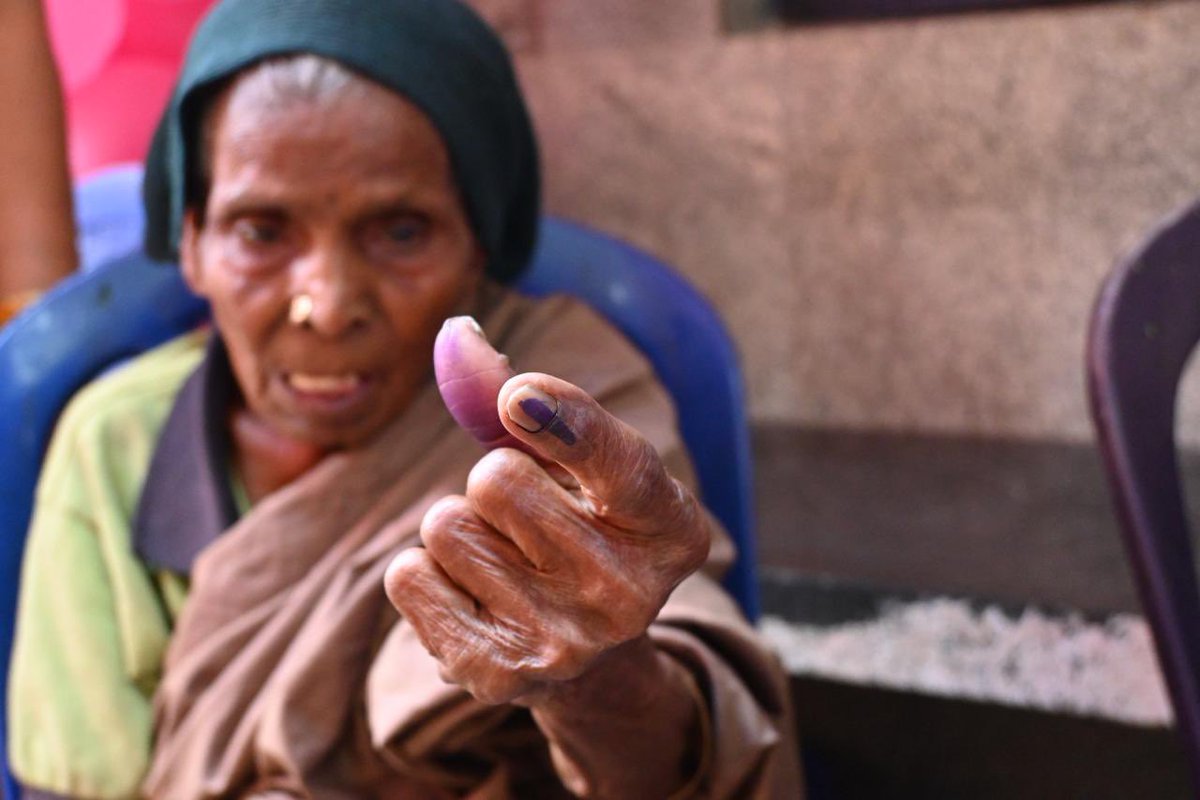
203,608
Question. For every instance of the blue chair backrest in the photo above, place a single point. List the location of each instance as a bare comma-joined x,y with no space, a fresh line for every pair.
130,304
87,323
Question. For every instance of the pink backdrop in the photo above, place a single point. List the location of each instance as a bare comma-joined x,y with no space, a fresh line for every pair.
117,59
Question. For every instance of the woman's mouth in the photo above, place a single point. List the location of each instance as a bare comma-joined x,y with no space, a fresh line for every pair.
328,393
330,385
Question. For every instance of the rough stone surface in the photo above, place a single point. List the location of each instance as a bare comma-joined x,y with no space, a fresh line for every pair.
904,223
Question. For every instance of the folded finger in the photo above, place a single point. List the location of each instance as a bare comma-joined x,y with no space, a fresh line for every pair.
483,563
481,657
518,497
442,614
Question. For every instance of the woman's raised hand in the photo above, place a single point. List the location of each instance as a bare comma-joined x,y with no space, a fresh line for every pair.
561,553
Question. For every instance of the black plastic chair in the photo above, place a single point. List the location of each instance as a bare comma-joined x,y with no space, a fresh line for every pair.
1145,325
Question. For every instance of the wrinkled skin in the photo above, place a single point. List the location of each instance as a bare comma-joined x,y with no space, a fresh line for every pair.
350,200
537,587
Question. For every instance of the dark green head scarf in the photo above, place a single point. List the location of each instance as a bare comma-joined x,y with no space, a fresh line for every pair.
436,53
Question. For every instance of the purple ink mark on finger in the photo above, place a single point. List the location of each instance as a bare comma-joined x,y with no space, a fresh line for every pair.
547,419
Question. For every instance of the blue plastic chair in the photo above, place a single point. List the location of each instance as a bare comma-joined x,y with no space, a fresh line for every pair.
125,306
87,323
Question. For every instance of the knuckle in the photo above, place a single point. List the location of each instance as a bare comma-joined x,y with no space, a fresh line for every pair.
698,536
480,670
595,597
563,658
694,548
685,509
495,690
406,575
488,693
613,613
444,522
619,605
494,476
689,529
646,470
628,620
638,484
483,666
458,661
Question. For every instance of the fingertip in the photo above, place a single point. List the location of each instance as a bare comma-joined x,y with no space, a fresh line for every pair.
537,412
539,409
467,320
469,372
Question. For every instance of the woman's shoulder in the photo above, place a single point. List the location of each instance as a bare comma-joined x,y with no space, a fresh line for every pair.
116,418
146,382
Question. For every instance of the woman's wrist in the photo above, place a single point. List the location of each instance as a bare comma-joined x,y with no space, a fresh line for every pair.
635,725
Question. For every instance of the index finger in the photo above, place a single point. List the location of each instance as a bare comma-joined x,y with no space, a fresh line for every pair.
620,472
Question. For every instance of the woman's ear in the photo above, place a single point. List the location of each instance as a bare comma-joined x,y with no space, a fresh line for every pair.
189,254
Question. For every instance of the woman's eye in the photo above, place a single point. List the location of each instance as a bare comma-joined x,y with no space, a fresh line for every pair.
397,238
258,232
405,230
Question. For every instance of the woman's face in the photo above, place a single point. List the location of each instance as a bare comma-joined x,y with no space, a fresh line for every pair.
348,200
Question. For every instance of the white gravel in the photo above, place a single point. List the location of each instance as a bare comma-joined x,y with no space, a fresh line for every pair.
946,647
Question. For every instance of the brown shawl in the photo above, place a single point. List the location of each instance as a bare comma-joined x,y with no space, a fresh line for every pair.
290,672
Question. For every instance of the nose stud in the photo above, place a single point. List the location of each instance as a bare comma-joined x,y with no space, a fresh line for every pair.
300,311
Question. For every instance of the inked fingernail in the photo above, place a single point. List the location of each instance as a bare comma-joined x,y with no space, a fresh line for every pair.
536,411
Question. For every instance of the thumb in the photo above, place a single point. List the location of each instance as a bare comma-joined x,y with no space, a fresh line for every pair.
469,375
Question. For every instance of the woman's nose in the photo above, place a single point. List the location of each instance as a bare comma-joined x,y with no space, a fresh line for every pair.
338,295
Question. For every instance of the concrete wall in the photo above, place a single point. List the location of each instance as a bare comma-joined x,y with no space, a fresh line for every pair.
904,222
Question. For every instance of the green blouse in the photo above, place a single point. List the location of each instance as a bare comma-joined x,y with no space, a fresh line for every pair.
93,620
